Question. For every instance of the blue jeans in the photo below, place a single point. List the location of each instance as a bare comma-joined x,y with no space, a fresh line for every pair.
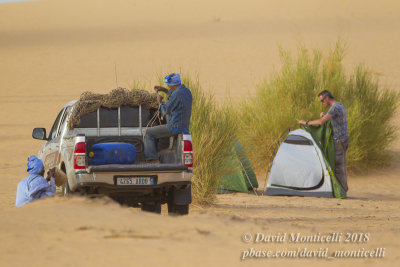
153,133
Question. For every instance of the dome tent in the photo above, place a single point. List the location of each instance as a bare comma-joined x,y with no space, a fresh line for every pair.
241,177
304,165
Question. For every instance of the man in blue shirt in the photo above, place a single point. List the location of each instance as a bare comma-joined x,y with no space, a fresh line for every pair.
178,110
35,186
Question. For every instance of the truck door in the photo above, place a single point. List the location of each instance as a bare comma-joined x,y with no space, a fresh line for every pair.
50,151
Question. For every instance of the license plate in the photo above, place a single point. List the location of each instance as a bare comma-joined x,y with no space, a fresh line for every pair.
135,180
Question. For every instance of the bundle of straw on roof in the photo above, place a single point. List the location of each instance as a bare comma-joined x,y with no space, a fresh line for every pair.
116,98
90,102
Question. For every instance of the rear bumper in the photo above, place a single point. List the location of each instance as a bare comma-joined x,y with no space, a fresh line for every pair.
137,168
105,177
183,184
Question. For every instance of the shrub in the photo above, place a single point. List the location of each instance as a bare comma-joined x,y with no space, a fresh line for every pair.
212,127
291,94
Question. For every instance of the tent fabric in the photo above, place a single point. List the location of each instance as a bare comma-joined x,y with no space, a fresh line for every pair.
303,165
299,168
323,136
304,162
324,140
241,177
247,170
234,181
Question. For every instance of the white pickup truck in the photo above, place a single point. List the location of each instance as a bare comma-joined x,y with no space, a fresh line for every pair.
138,184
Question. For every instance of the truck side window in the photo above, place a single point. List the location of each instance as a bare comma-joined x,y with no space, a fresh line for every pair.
53,131
63,119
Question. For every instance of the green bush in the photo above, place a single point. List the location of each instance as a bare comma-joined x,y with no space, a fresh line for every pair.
212,127
291,94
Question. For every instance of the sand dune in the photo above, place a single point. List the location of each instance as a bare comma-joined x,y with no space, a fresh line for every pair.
84,232
52,51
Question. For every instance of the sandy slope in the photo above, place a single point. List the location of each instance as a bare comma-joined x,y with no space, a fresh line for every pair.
84,232
51,51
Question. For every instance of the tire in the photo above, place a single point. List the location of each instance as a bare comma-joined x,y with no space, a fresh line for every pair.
174,209
154,207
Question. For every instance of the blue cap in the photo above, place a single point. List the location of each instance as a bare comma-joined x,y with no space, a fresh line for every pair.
173,79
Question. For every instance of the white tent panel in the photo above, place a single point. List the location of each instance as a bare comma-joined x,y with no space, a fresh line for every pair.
296,166
299,169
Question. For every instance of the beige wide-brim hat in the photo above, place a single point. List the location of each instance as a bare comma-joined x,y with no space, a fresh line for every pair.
60,177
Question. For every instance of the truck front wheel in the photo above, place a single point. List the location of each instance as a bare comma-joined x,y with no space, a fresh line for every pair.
66,191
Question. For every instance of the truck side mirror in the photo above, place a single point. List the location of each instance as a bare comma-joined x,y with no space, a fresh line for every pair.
39,133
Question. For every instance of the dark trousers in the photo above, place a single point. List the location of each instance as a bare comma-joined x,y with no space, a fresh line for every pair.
341,147
153,133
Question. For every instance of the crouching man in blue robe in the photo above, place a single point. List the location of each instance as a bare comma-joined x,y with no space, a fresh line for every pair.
35,186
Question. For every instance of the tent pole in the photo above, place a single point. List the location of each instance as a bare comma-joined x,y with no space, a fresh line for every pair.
248,179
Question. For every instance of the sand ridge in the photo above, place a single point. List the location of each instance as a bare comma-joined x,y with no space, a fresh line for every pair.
52,51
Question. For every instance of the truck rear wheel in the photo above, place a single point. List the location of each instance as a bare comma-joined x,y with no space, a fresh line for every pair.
151,207
174,209
178,201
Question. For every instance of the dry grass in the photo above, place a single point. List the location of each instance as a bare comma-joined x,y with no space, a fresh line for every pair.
212,128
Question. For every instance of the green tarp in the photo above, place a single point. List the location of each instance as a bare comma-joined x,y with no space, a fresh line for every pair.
322,135
241,177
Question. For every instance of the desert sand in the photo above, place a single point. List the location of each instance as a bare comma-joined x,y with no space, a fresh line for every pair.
52,51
